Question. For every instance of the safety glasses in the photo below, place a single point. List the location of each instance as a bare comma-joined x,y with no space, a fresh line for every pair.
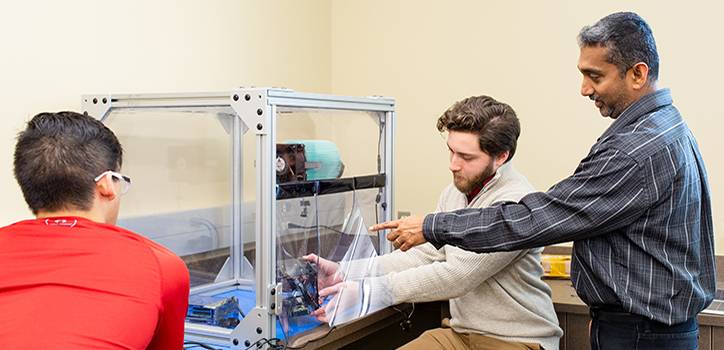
125,180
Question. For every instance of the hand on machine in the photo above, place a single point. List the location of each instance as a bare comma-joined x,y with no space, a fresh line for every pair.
335,294
299,288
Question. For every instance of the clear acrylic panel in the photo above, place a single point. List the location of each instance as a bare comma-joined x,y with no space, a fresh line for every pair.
335,213
327,226
180,160
313,146
336,143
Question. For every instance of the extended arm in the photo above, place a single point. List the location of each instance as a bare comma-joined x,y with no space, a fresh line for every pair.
605,193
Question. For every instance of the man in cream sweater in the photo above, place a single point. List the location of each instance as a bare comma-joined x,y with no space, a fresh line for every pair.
498,300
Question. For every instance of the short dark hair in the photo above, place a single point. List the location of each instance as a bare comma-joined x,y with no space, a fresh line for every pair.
495,123
57,157
628,38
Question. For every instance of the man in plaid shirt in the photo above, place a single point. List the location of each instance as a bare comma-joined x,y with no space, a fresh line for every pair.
637,207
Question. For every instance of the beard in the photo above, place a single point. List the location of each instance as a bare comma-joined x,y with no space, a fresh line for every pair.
468,184
611,109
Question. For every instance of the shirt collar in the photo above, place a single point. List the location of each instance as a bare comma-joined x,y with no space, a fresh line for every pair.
636,110
486,183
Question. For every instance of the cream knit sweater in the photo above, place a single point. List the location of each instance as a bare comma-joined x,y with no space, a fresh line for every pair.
496,294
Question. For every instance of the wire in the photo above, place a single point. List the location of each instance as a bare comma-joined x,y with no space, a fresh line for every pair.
274,344
195,344
407,316
406,323
379,146
311,340
378,198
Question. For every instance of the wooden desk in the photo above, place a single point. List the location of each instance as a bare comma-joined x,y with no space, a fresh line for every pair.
380,330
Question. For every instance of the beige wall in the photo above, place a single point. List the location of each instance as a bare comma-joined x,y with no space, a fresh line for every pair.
430,54
425,54
54,51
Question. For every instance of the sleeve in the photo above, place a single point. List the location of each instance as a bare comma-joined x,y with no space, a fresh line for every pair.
607,192
417,256
395,261
459,274
169,332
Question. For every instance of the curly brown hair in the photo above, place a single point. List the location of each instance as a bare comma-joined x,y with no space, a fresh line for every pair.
495,123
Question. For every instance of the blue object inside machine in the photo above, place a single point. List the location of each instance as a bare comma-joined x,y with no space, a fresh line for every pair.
215,311
322,159
246,302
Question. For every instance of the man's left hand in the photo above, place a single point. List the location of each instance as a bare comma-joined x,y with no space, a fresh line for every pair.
406,233
344,302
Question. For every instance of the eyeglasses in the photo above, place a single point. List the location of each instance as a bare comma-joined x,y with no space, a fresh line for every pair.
125,183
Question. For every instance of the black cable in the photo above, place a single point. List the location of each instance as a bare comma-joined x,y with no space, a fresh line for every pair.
195,344
379,147
405,315
274,344
264,341
378,198
406,323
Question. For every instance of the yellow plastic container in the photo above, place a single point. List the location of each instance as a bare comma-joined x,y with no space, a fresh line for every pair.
556,266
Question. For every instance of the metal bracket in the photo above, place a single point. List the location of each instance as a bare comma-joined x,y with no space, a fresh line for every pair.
250,104
275,302
252,328
96,106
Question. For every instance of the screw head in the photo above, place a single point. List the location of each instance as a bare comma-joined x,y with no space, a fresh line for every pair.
235,97
105,100
235,341
258,330
259,111
259,126
273,306
95,101
246,343
247,97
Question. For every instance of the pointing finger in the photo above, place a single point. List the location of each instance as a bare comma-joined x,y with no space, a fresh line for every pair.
385,225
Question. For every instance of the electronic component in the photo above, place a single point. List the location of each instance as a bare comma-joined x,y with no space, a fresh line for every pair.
299,287
290,163
215,311
307,160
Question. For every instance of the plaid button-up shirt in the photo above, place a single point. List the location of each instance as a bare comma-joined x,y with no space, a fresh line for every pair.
637,208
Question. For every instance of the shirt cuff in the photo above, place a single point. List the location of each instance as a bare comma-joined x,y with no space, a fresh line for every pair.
430,228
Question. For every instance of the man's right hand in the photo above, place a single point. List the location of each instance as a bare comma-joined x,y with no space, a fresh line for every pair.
406,233
328,272
344,302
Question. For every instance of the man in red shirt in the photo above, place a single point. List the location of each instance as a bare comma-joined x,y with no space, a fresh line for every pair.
71,279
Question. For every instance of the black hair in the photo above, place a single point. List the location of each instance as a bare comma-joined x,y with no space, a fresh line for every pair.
57,157
629,41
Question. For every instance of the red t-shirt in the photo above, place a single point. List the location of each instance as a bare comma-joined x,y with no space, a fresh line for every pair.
71,283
